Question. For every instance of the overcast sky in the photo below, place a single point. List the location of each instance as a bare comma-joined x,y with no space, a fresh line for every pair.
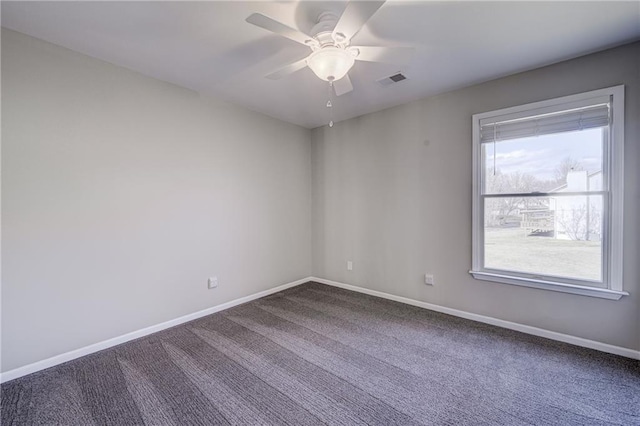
541,155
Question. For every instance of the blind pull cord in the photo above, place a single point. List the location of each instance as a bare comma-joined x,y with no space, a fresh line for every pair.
580,121
495,154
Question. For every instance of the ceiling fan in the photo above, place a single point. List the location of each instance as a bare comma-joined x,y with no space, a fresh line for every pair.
332,54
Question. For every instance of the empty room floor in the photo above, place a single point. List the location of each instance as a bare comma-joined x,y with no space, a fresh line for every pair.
316,354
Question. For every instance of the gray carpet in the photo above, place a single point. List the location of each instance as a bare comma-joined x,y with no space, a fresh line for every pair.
315,354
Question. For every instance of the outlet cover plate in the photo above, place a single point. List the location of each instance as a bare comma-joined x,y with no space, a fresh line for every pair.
212,282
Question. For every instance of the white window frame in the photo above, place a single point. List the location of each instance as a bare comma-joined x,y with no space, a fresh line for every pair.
613,168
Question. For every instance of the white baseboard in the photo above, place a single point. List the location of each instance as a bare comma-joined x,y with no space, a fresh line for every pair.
77,353
578,341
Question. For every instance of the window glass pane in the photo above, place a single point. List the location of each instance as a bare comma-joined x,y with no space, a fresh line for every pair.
552,236
561,162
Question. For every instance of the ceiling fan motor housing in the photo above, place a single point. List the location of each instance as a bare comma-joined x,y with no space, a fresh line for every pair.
321,31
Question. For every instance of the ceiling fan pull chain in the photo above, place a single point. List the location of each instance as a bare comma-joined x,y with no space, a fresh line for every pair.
330,104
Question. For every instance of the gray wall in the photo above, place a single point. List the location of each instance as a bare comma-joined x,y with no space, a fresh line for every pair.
392,193
121,194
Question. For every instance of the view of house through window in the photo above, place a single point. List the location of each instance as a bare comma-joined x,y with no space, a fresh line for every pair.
547,203
556,234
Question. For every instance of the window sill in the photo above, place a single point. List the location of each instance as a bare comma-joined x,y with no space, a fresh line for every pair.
549,285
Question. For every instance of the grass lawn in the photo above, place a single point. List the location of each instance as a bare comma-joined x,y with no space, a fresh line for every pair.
509,248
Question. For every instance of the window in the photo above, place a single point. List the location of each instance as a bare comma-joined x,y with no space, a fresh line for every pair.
548,192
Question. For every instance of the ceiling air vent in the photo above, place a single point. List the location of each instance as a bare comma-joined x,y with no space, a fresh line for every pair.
396,78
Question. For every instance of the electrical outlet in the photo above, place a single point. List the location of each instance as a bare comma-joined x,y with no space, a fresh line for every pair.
212,282
428,279
349,265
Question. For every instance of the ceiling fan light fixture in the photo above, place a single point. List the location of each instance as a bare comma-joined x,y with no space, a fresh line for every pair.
330,63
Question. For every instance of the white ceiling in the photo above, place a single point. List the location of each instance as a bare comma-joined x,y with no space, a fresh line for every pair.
208,47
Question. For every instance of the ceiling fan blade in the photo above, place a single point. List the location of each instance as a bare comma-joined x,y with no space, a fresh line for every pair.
391,55
289,69
274,26
356,14
343,85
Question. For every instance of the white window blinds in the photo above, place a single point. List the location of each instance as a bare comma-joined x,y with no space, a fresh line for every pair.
504,128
